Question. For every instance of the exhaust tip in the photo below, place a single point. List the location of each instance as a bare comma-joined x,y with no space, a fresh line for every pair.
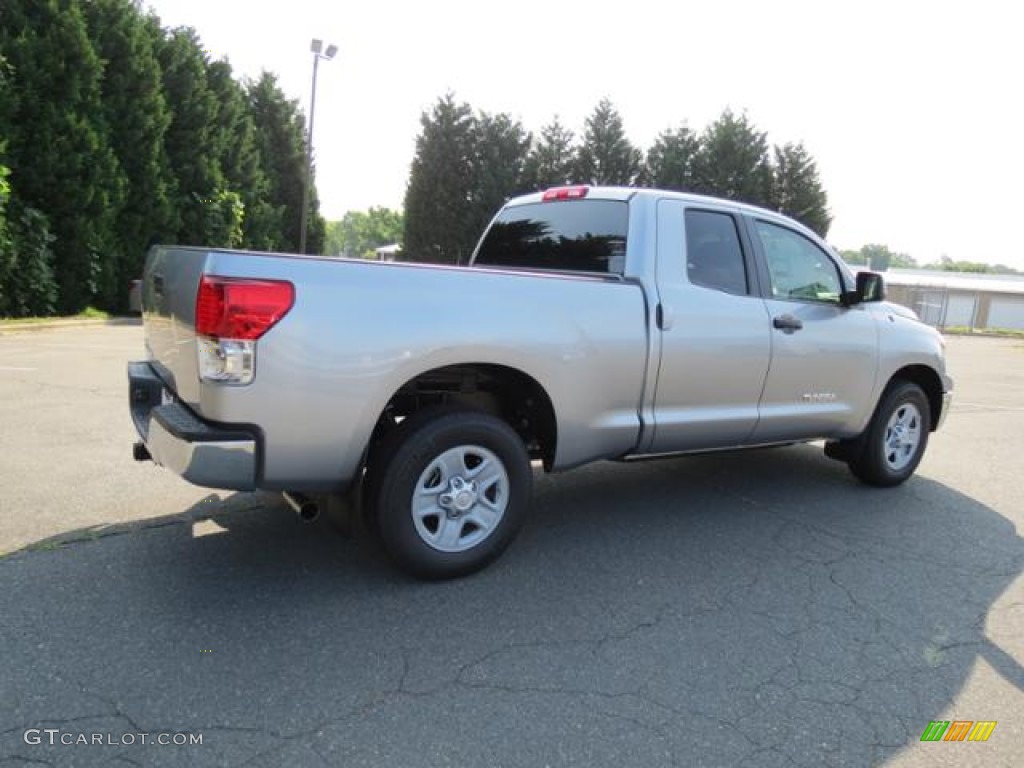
306,508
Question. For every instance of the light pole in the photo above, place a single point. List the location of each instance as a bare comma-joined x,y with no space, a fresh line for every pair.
316,47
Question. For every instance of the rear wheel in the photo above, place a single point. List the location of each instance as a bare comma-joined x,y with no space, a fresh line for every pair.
450,492
895,440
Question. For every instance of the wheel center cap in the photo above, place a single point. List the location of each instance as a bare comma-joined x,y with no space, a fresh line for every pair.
463,500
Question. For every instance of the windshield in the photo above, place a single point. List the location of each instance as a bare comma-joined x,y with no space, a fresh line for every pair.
572,235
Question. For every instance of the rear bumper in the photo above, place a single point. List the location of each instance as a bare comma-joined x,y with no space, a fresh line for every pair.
206,454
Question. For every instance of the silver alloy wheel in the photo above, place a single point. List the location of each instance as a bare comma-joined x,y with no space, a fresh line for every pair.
460,498
902,436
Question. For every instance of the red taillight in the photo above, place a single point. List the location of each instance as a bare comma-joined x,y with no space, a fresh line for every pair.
240,308
565,193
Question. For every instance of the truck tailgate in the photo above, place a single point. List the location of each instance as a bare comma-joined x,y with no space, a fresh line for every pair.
170,282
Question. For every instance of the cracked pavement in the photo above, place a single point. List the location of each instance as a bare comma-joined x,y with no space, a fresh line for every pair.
755,610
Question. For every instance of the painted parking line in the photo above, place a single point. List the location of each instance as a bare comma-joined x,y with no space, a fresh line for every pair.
15,368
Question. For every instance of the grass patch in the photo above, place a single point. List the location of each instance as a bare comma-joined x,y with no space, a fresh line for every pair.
963,330
90,313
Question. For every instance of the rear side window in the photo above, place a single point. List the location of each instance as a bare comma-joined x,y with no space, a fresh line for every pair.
572,235
714,258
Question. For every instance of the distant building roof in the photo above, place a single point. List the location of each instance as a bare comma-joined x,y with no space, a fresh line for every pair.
955,281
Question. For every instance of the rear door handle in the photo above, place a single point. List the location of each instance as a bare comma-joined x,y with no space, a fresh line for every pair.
787,323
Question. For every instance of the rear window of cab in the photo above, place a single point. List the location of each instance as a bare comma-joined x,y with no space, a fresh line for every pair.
570,235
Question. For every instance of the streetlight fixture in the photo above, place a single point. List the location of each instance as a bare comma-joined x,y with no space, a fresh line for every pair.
317,48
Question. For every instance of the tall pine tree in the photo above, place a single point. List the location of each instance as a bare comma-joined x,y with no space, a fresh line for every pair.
733,161
136,118
437,220
670,160
281,145
797,189
190,140
500,147
552,158
606,155
59,154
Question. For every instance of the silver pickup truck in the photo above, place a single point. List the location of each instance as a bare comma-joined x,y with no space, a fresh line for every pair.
592,323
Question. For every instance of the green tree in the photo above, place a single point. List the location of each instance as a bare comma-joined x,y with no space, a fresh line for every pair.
234,141
281,145
498,162
854,258
359,233
733,161
5,186
552,158
190,140
878,258
946,264
670,160
797,190
437,215
28,287
606,155
58,152
27,284
136,118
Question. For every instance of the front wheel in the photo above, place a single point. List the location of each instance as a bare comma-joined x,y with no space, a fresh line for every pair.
453,493
896,438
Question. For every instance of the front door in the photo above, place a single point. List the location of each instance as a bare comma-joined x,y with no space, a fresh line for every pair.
824,354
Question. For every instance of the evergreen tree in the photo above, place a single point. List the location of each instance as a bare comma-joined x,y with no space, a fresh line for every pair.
28,286
670,161
552,158
281,146
136,118
190,140
316,232
500,147
606,155
733,161
234,142
59,155
437,220
797,190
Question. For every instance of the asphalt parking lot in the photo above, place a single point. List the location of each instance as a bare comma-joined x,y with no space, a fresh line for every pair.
754,610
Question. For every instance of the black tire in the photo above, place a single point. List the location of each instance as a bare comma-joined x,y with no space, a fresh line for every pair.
884,457
450,491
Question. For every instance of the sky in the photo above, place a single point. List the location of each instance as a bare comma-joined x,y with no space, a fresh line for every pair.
911,109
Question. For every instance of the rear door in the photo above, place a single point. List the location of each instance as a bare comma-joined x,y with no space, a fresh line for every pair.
713,329
824,354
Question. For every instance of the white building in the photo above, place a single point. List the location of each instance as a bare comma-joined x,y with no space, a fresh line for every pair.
959,299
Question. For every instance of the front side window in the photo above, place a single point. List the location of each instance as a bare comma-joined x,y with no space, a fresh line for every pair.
714,258
798,269
571,235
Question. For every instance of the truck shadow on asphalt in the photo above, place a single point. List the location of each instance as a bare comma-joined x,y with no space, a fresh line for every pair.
758,609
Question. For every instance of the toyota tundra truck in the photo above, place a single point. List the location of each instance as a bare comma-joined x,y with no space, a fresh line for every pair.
591,323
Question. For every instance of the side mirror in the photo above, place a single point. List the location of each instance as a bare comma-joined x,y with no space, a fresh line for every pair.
870,287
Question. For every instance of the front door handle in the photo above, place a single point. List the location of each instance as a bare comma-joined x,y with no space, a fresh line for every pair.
665,317
787,323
